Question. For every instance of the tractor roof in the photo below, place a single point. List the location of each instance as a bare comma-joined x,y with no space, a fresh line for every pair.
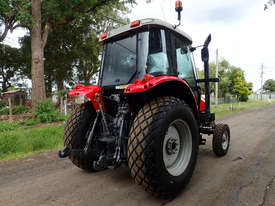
144,22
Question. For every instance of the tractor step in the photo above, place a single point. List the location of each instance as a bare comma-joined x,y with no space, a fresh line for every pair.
64,153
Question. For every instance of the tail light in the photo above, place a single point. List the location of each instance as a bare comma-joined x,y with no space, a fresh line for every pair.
103,36
135,23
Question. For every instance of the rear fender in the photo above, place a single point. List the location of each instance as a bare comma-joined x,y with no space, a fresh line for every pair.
90,92
163,86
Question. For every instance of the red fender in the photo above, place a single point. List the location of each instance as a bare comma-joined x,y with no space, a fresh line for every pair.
149,81
88,91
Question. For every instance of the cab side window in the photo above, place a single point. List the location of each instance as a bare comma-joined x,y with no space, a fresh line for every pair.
184,62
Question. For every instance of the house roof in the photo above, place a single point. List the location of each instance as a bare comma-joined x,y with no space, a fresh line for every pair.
13,91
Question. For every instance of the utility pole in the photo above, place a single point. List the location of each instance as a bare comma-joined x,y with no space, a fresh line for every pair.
217,69
262,75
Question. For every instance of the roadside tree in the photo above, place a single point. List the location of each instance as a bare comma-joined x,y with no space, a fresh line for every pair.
269,85
11,67
41,16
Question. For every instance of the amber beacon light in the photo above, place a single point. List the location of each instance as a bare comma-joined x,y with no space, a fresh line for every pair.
178,9
178,6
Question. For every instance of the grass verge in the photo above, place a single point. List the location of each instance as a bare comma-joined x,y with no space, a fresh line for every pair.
225,109
22,142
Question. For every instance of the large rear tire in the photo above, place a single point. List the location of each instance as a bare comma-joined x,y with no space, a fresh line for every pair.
75,131
163,146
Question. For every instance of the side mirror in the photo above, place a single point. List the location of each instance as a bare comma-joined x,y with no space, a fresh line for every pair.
205,51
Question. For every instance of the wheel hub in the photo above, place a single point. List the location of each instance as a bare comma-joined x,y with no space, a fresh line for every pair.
177,147
172,146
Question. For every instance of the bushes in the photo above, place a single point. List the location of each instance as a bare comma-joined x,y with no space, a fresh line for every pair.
46,112
2,104
18,109
4,111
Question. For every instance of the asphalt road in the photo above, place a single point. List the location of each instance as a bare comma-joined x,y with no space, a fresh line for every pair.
246,176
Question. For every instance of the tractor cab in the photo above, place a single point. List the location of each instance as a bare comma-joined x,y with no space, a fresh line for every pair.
148,46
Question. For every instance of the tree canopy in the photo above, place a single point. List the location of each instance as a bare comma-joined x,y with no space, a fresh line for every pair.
269,85
11,67
42,16
72,51
232,80
269,3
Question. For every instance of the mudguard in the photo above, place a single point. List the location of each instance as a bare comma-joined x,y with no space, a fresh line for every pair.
90,92
149,81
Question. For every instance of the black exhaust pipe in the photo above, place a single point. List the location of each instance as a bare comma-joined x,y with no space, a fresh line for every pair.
205,59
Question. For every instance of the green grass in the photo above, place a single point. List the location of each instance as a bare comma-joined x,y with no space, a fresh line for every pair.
22,142
7,126
225,109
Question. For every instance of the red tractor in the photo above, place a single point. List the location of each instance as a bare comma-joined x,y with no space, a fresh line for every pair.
146,111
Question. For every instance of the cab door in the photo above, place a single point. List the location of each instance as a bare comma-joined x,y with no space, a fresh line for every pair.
184,63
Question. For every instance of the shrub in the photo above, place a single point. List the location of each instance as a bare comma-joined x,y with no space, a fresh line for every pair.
4,111
8,126
2,104
20,109
46,112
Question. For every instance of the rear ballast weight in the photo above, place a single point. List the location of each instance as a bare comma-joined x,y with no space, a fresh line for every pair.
146,112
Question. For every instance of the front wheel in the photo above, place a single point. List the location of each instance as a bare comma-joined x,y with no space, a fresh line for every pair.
221,140
163,146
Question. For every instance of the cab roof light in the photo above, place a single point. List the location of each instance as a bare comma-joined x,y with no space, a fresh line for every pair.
135,23
178,6
103,35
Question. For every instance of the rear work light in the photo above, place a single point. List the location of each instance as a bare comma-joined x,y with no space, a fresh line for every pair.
103,36
135,23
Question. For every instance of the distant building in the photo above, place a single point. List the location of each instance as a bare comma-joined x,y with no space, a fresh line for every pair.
18,97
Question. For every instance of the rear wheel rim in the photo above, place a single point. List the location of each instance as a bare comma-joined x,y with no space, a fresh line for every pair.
177,147
225,140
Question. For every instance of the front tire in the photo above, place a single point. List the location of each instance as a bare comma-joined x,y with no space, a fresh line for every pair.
75,131
163,146
221,140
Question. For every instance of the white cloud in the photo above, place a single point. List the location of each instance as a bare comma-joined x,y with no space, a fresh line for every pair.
241,30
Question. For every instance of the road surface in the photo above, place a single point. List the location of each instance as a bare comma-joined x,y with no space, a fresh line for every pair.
246,176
